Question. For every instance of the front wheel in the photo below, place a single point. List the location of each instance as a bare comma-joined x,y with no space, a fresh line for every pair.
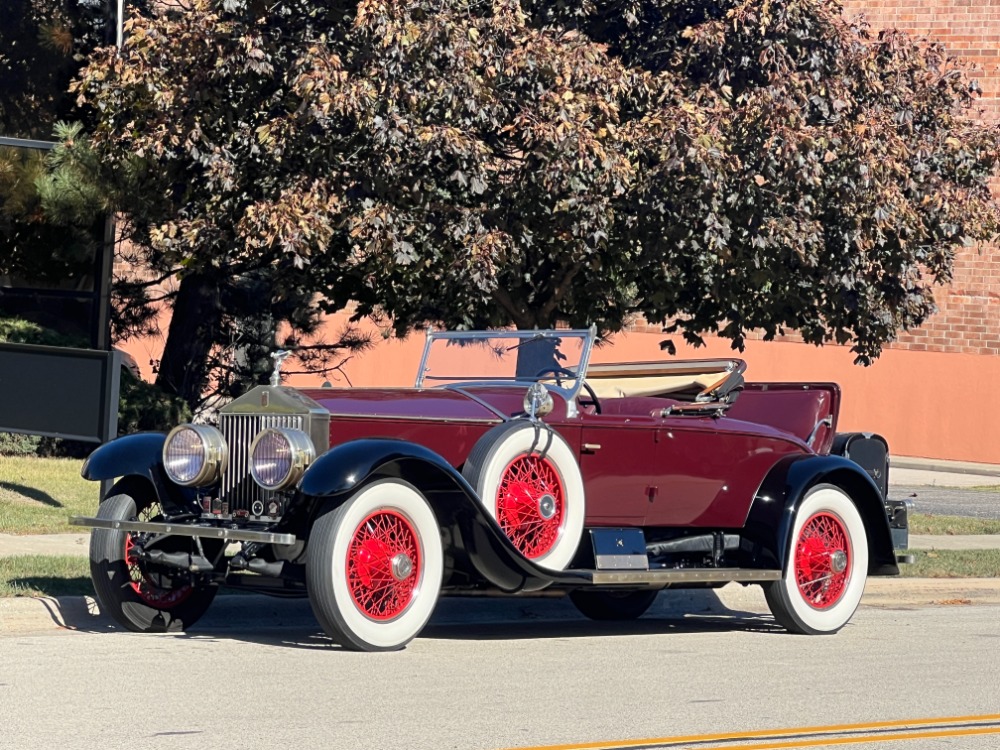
374,566
142,597
826,568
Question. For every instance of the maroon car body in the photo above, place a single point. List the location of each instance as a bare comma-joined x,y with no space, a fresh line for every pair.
610,482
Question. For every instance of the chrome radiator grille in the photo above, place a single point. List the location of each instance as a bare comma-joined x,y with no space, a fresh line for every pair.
239,491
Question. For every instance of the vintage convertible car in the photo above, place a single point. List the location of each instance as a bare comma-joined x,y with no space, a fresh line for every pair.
514,465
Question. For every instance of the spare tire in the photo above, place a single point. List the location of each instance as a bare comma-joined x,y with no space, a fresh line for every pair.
528,478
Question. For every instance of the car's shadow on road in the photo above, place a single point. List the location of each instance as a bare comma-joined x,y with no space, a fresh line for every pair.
291,624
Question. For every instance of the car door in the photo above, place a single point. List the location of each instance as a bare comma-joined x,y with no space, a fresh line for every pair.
708,470
617,455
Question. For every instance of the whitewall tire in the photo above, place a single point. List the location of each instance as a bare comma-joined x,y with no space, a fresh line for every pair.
374,566
826,567
530,482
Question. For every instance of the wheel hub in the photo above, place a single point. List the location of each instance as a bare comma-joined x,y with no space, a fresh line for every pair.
402,566
546,506
838,561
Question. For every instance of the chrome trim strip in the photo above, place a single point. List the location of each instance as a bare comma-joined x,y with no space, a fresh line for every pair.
828,421
183,529
682,575
415,418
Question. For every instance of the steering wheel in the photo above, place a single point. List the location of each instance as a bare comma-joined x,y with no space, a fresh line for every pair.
556,371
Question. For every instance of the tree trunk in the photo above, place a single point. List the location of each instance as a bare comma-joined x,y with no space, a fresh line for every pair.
196,317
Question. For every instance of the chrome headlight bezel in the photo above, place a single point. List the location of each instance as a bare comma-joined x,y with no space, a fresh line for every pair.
538,401
208,449
296,449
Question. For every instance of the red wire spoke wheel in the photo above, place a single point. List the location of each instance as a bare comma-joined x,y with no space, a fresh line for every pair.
383,565
528,478
822,560
374,566
826,566
530,504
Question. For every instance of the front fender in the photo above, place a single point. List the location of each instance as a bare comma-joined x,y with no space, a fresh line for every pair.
769,523
347,467
138,455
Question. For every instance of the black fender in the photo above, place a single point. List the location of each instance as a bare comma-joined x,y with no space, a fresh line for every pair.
347,467
772,514
140,455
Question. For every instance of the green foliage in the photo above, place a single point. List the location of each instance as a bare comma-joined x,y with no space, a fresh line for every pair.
13,444
20,331
727,166
143,407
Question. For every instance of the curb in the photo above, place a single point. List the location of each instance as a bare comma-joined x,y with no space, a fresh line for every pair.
41,615
943,465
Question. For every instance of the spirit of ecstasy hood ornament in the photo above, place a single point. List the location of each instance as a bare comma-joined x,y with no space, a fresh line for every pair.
278,357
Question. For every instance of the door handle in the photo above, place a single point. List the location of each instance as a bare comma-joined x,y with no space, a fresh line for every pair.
591,447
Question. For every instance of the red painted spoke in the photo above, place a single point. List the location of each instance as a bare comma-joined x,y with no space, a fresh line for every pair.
525,481
821,538
377,541
140,583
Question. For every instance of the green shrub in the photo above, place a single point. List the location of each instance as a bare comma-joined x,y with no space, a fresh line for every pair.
13,444
20,331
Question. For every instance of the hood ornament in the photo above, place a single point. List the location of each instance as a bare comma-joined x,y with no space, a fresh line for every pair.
278,357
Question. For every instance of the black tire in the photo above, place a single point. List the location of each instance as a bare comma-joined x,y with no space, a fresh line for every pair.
613,605
826,566
138,596
374,567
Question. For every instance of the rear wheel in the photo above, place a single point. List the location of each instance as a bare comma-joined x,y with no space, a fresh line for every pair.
613,605
374,566
827,565
143,597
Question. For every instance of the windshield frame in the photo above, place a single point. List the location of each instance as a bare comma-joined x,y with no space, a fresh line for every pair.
588,336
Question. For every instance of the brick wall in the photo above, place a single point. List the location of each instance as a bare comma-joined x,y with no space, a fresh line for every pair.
968,319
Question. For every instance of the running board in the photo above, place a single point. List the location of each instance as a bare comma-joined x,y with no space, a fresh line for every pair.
184,529
674,575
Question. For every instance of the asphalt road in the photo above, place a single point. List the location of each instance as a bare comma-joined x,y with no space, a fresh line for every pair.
500,673
951,501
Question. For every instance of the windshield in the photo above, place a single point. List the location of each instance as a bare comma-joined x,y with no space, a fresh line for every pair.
554,357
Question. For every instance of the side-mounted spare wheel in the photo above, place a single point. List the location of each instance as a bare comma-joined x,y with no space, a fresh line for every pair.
530,482
374,565
141,596
826,567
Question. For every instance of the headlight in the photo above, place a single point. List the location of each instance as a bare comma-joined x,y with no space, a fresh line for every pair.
279,456
537,401
195,455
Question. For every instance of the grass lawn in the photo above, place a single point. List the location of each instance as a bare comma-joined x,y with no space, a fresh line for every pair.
38,495
921,523
39,575
948,563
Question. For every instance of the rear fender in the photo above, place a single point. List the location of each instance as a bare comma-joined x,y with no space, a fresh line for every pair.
139,456
336,474
769,524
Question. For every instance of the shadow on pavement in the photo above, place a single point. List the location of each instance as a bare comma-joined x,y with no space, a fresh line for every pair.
289,623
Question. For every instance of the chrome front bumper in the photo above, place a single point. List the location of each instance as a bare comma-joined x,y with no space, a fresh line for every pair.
184,529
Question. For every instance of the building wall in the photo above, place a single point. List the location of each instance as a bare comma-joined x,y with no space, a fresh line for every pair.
968,321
